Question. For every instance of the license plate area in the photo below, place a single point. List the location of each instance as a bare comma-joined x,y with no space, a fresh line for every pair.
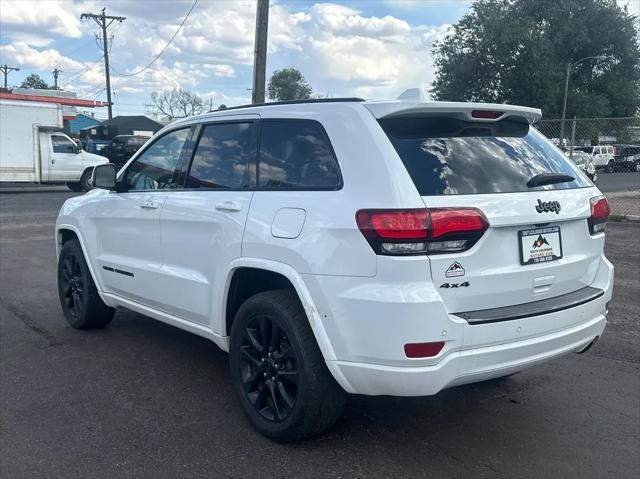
540,245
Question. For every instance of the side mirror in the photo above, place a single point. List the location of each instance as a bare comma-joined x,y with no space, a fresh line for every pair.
104,176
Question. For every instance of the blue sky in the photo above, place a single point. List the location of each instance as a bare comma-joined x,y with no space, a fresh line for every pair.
373,49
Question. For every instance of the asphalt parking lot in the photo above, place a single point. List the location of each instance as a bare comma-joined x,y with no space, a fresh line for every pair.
142,399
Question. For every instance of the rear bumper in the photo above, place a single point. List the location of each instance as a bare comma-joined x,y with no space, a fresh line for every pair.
469,365
367,344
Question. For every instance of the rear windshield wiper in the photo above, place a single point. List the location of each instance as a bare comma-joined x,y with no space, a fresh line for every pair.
549,179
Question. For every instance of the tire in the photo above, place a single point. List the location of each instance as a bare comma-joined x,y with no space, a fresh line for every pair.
85,180
610,167
284,386
78,295
74,186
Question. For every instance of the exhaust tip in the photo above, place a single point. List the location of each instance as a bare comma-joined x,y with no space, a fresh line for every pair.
589,346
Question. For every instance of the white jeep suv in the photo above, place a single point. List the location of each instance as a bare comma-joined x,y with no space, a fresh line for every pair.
346,246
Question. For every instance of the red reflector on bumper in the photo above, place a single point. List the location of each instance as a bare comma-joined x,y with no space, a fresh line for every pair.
423,350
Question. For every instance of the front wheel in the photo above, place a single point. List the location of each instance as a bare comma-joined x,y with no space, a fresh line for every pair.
278,370
85,180
81,304
610,167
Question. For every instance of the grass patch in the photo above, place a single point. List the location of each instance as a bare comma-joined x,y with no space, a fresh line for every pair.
616,218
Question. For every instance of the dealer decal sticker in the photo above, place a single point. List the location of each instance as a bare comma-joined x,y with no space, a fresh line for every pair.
454,270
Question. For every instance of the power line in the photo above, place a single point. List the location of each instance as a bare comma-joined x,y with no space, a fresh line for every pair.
163,50
82,71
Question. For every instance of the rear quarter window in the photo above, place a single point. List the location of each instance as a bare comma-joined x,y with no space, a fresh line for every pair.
447,156
296,154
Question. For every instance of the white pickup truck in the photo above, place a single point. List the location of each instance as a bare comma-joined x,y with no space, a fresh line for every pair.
34,149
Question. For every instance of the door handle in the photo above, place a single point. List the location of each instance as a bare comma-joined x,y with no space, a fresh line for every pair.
149,205
230,206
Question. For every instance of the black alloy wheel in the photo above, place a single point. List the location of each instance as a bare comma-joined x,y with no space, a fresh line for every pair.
268,368
81,304
278,371
73,285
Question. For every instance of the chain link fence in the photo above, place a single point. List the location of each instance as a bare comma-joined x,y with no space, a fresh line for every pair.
581,134
612,144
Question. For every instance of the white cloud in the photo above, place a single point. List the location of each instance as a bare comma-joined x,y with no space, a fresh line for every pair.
27,16
341,20
367,56
21,54
340,50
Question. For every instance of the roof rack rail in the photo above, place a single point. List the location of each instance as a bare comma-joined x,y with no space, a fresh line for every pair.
294,102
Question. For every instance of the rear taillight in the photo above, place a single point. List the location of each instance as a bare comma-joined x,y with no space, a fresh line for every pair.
599,214
421,231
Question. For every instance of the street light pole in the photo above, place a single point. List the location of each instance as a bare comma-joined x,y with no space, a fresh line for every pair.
566,91
564,104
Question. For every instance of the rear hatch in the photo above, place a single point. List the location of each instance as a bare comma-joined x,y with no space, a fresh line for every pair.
538,242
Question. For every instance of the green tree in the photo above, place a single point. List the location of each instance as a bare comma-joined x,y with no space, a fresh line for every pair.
517,51
35,81
288,84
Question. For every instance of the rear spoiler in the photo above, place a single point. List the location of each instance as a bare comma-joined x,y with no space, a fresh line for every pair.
478,112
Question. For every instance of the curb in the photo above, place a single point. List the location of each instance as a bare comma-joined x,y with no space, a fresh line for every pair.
623,218
28,189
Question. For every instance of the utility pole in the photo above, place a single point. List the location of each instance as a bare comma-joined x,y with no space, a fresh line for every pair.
5,69
104,21
56,72
260,52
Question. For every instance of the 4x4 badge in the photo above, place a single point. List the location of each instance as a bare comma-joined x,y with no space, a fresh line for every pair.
546,206
454,270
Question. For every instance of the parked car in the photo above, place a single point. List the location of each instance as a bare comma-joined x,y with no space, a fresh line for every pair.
346,246
627,158
34,149
94,146
584,162
123,147
601,156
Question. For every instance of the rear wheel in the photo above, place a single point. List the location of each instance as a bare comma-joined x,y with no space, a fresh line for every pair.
79,297
85,180
74,185
278,370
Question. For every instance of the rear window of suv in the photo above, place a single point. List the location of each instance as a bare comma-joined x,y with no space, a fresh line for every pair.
448,156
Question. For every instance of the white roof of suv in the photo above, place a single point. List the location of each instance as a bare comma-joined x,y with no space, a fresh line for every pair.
480,112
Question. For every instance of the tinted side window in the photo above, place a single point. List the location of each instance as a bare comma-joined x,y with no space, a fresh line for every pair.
62,144
154,168
222,156
296,154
